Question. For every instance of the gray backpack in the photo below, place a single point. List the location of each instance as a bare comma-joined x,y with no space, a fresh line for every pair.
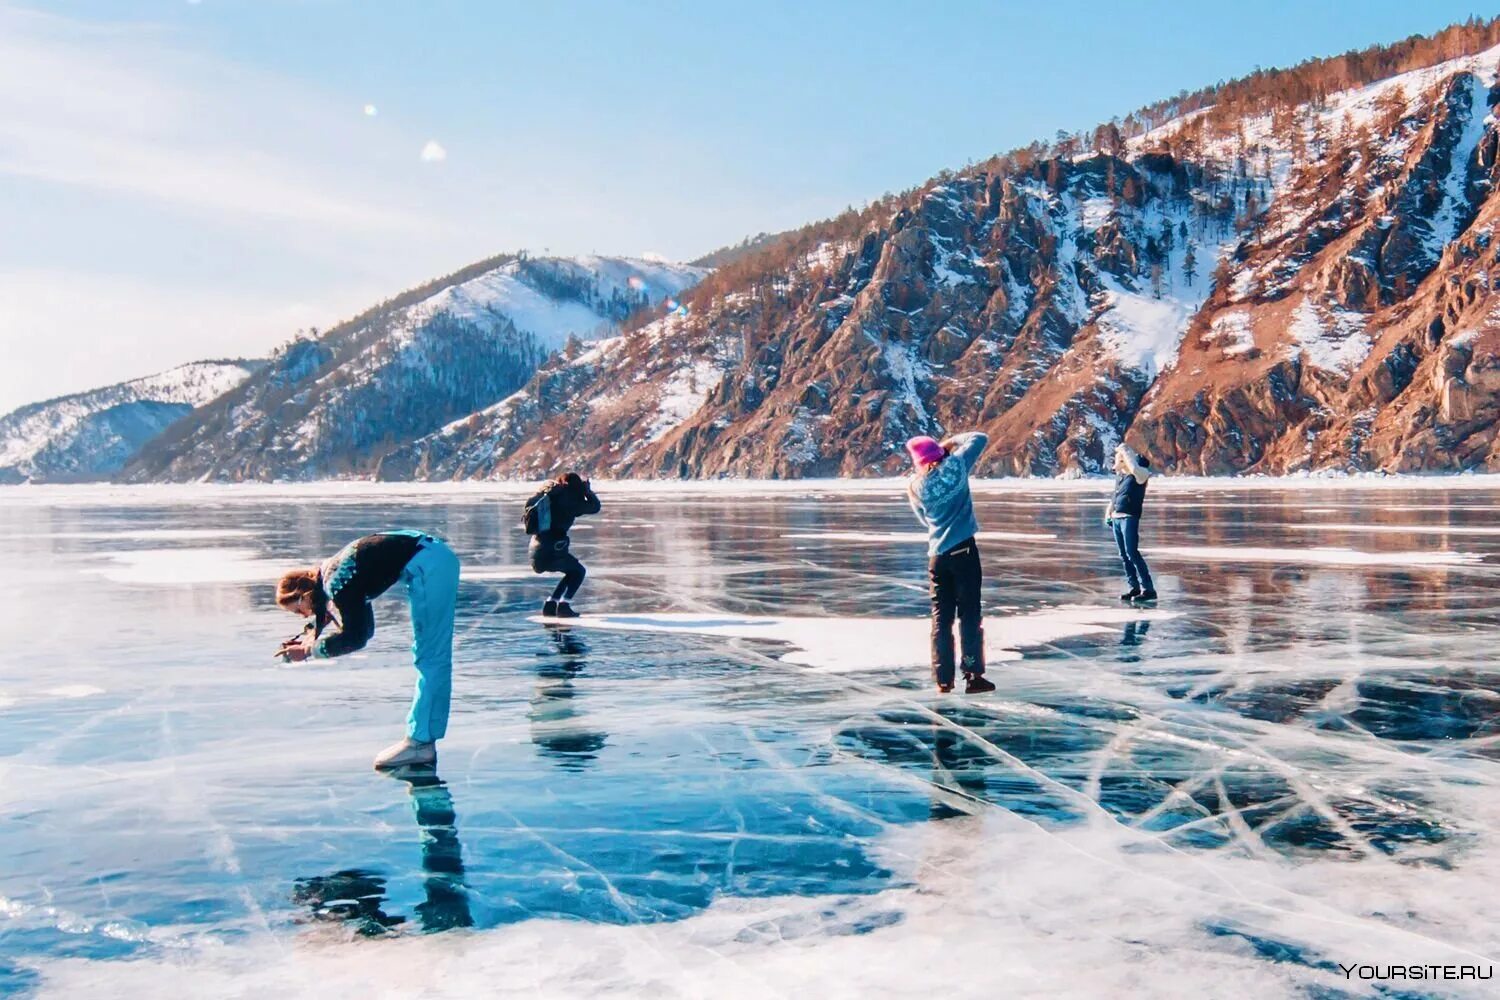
538,516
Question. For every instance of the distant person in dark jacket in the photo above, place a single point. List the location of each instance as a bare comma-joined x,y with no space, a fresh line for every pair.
549,516
1124,517
339,593
939,495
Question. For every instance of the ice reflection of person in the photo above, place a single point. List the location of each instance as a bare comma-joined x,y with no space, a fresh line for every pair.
553,712
339,593
353,896
357,896
549,515
447,902
1124,517
939,495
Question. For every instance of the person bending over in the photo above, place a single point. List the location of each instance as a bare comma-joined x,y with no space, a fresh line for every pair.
1124,518
939,495
549,516
339,592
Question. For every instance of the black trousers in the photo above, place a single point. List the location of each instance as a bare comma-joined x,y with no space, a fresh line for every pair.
554,557
955,577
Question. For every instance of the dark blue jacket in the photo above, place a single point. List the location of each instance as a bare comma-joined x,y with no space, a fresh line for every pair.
1130,489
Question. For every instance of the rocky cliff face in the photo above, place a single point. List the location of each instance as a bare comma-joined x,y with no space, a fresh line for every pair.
334,404
1355,331
1310,288
91,435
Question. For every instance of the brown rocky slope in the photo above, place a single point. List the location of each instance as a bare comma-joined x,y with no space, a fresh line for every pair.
1306,288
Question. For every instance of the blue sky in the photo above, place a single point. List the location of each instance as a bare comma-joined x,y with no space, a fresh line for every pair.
190,179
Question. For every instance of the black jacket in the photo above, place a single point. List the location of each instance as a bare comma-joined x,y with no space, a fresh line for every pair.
568,503
361,571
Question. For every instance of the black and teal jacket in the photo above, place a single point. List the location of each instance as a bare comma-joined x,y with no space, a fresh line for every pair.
357,574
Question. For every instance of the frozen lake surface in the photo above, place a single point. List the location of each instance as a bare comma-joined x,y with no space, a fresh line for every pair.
735,779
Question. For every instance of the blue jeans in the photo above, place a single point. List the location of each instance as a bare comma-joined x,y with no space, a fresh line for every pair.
1128,541
431,579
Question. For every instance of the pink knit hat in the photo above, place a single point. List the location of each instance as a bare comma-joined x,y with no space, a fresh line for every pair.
925,451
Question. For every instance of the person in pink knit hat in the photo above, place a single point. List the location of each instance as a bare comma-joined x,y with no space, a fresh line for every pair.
939,495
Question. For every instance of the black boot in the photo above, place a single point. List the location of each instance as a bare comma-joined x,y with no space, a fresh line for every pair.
1149,595
549,608
1135,592
565,610
977,684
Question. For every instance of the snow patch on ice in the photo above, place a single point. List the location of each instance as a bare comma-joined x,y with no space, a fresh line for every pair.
1318,556
1402,529
149,534
851,644
915,536
189,566
73,691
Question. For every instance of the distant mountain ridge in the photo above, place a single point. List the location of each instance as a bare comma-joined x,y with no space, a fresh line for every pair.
1302,279
92,435
334,404
1293,271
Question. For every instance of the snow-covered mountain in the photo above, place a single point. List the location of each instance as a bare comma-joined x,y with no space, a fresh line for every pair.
1295,271
334,404
91,435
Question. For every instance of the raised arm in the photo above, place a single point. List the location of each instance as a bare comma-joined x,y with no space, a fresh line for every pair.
916,504
967,447
590,503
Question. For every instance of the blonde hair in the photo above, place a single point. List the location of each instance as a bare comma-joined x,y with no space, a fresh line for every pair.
295,584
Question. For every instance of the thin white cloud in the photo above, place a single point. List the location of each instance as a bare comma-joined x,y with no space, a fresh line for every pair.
118,109
433,153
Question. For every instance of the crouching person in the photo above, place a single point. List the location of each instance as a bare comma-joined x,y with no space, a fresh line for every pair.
339,592
548,517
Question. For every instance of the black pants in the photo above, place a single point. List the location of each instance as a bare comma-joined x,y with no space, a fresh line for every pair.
956,576
554,557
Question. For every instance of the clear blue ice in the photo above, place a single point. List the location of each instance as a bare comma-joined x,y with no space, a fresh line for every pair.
1292,765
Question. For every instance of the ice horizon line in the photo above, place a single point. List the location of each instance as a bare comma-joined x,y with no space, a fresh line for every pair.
1085,483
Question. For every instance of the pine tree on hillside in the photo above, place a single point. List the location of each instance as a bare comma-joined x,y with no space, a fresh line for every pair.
1390,109
1189,265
